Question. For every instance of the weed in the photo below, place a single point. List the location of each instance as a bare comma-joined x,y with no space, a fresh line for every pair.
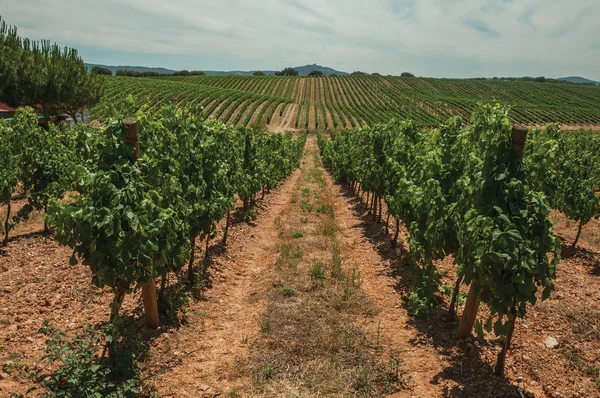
305,192
393,374
288,291
351,284
315,175
265,325
294,199
330,228
318,271
11,365
362,381
37,279
81,372
325,209
303,220
336,262
298,252
306,206
297,234
268,372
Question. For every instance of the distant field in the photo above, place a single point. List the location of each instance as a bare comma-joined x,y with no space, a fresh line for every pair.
285,103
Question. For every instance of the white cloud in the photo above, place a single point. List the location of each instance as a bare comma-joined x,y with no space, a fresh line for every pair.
428,37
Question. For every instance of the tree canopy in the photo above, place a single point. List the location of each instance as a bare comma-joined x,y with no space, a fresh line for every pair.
99,70
42,74
289,71
315,73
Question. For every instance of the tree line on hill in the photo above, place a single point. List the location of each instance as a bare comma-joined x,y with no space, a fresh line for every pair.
539,79
100,70
289,71
44,76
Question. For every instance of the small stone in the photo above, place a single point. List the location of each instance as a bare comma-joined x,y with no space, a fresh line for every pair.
202,387
551,343
3,376
398,251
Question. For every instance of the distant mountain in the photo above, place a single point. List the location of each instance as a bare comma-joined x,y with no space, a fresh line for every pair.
114,69
306,69
578,79
302,70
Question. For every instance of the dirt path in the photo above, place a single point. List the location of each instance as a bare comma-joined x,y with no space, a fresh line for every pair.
218,334
392,322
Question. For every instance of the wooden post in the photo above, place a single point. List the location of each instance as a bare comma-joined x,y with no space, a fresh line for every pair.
519,135
148,288
469,315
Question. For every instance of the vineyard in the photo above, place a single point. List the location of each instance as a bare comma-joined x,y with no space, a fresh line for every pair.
336,103
103,227
356,236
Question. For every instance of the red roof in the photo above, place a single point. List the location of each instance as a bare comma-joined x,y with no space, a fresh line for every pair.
6,108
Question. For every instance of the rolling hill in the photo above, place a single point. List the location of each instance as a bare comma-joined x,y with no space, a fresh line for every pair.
302,70
578,79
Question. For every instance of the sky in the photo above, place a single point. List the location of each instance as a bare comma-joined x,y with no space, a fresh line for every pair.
438,38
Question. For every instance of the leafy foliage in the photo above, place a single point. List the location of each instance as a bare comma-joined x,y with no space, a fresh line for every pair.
136,217
99,70
571,177
460,191
9,172
46,159
81,371
289,71
45,75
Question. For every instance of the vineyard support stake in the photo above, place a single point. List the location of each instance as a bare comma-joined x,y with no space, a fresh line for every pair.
148,288
469,315
519,135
